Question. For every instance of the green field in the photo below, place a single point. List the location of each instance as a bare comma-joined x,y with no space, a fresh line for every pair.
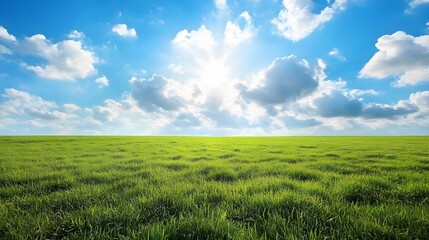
214,188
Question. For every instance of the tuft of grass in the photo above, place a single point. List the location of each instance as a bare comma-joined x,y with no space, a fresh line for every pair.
366,190
304,175
222,175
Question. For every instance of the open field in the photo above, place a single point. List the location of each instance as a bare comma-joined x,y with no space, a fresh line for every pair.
214,188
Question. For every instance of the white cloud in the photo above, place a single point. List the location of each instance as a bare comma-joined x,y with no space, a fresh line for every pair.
4,50
415,3
123,31
32,114
290,93
119,117
201,39
202,58
296,20
284,81
421,99
338,108
234,34
102,81
336,53
66,60
386,111
342,103
209,84
5,36
337,104
156,93
400,55
74,34
107,113
70,107
221,4
18,101
360,92
24,104
175,68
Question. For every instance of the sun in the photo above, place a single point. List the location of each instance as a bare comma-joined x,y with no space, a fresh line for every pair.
214,73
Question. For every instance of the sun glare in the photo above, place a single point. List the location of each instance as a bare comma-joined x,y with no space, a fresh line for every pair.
214,74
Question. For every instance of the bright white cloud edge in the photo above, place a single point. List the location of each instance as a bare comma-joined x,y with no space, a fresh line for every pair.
123,31
296,21
402,56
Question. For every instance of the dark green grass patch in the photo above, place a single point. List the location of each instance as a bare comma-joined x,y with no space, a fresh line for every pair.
214,188
366,190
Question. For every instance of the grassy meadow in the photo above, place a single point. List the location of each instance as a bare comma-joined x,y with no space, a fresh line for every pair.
214,188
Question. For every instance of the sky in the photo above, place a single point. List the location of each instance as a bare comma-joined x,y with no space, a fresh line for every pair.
215,67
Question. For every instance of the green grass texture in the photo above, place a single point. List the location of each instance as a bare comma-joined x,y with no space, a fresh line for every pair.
214,187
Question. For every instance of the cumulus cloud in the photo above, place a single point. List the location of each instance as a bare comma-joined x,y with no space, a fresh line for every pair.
296,20
198,52
200,39
123,31
102,81
400,55
338,105
421,99
17,102
156,93
336,54
33,114
235,34
5,36
107,113
285,80
119,117
74,34
24,104
65,60
373,111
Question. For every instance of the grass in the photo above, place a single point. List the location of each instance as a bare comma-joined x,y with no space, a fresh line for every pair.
214,188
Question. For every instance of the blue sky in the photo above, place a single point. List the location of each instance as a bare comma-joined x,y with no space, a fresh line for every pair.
221,67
